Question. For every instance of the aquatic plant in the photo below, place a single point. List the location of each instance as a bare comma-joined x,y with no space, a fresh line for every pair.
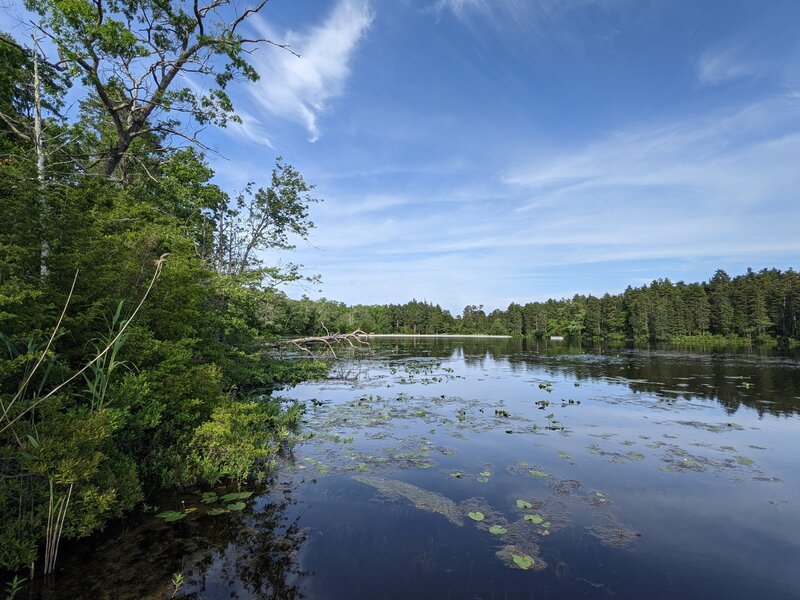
171,515
476,516
523,561
420,498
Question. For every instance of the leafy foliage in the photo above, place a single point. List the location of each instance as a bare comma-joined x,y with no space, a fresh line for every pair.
156,371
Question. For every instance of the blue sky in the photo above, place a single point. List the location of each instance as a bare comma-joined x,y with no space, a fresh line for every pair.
478,152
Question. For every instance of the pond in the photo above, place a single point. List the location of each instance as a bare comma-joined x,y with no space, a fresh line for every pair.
498,469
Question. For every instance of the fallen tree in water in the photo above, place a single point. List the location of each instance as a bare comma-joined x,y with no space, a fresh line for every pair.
329,343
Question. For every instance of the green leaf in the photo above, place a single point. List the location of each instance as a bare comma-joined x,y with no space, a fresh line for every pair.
209,497
523,561
476,516
236,496
485,473
236,506
497,530
171,515
538,473
535,519
217,510
524,504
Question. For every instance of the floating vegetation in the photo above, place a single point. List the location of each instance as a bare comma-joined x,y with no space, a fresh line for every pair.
171,515
422,499
524,504
476,515
523,561
497,530
235,506
536,519
614,534
564,487
713,427
209,497
563,455
616,457
744,460
217,510
236,496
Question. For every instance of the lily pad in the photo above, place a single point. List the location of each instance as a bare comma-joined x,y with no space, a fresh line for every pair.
535,519
476,516
497,530
546,525
485,473
209,497
483,480
743,460
524,561
236,496
171,515
236,506
218,510
524,504
538,473
456,474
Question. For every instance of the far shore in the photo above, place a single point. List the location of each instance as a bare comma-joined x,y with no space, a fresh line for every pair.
435,335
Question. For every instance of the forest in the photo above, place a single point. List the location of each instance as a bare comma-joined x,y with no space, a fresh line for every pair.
756,307
136,313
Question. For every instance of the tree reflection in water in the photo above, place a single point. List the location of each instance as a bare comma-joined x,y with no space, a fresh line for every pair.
253,554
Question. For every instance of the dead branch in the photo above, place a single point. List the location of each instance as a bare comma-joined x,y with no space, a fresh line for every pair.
354,339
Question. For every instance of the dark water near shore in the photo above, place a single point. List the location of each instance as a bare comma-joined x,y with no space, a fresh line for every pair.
642,474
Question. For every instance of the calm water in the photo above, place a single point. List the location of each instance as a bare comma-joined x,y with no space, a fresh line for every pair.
639,474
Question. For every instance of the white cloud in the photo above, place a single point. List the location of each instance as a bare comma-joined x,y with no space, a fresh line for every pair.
717,65
300,89
718,188
537,17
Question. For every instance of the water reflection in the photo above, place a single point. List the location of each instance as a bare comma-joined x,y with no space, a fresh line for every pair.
767,381
239,555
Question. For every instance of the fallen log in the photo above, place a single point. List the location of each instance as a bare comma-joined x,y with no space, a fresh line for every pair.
354,339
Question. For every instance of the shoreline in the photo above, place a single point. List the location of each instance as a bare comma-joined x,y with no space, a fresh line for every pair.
437,335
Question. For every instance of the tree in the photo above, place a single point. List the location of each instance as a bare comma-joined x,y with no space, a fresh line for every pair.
136,57
262,220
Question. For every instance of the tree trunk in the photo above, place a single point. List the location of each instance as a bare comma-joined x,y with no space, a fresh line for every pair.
38,141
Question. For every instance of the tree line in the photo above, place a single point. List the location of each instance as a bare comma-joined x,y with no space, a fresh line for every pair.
757,306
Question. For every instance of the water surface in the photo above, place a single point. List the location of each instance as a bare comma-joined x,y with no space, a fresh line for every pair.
642,473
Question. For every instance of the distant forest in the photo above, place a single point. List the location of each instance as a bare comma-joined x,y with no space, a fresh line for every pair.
758,306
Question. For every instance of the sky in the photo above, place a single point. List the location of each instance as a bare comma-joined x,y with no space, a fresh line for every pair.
479,152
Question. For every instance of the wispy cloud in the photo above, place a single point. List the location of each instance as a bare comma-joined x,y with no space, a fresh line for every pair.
718,65
300,89
536,17
709,189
